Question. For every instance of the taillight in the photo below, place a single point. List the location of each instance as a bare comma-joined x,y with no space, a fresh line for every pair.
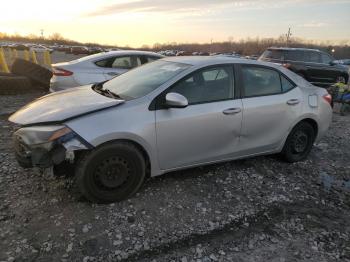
328,98
61,72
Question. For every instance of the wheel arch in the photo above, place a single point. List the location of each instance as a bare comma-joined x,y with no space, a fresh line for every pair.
312,122
140,147
308,119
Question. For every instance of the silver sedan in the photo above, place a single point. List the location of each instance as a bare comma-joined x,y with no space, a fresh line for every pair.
171,114
97,68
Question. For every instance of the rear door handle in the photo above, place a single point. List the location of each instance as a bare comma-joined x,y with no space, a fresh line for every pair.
231,111
293,102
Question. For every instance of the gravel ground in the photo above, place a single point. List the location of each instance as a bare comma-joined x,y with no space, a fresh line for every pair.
259,209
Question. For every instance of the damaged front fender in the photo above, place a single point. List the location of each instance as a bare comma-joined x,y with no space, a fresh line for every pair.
31,149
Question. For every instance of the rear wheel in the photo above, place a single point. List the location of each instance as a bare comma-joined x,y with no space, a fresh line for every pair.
299,142
111,173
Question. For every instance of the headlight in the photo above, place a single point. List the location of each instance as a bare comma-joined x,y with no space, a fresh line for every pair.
43,134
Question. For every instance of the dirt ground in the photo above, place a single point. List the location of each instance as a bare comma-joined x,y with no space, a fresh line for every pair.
259,209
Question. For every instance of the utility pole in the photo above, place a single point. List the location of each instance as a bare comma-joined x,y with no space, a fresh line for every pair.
288,35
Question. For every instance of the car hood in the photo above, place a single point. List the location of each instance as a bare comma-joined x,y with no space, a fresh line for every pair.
60,106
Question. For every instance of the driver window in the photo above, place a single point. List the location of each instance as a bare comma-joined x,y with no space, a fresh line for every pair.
208,85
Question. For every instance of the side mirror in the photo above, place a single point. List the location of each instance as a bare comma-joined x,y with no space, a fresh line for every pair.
175,100
332,63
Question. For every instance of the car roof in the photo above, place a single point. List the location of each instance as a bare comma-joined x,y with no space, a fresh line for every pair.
130,52
102,55
214,60
292,49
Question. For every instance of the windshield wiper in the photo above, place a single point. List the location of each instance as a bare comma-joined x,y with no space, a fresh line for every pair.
106,92
110,93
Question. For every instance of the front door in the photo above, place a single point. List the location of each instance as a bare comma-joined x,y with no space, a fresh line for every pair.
208,128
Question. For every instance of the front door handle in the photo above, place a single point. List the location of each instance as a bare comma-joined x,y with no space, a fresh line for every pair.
293,102
231,111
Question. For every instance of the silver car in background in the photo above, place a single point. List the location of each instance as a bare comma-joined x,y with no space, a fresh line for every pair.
97,68
171,114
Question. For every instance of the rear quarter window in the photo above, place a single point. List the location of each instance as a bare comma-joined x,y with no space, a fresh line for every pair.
286,84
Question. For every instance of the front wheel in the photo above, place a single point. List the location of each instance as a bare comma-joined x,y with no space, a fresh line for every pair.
299,142
110,173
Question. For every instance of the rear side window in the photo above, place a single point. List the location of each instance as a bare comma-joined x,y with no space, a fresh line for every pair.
313,57
261,81
296,55
103,63
122,62
273,54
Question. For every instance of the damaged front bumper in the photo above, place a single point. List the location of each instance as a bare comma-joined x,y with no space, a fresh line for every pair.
45,146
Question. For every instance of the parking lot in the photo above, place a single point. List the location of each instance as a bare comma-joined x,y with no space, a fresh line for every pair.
56,56
259,209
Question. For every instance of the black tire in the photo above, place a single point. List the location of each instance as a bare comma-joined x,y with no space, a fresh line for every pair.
111,172
12,85
299,142
38,74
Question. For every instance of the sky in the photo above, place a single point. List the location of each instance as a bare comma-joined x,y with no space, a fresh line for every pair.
138,22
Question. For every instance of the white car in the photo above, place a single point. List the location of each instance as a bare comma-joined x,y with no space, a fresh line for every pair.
97,68
39,48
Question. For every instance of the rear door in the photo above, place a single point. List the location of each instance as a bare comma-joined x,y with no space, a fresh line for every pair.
208,128
271,103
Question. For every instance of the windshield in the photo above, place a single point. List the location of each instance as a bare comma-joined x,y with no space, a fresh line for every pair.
144,79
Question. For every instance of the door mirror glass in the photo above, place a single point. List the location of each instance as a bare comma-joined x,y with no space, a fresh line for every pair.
175,100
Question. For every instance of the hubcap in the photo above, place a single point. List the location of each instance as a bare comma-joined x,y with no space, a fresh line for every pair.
112,173
300,142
